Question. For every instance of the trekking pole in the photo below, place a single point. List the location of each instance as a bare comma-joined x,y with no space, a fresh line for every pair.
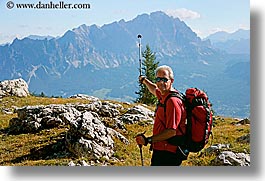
140,61
141,152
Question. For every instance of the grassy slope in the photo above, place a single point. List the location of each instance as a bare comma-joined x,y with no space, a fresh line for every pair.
47,148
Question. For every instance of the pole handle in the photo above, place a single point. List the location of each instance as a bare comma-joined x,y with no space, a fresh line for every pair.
140,61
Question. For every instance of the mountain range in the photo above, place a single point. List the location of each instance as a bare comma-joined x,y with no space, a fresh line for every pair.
103,61
237,42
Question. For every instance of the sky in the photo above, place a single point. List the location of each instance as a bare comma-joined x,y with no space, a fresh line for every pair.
204,17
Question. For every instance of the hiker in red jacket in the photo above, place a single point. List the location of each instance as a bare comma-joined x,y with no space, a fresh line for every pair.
165,126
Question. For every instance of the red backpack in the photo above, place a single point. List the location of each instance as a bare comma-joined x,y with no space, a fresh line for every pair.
199,119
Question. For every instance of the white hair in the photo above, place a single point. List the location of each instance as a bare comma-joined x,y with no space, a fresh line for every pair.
165,67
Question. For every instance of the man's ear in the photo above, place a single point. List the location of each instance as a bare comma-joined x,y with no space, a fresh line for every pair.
172,80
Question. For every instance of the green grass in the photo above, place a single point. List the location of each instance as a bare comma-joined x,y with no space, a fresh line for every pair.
47,147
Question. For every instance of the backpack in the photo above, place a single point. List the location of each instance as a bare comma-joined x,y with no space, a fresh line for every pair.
199,119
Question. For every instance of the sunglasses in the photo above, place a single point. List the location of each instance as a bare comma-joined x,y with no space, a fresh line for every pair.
158,79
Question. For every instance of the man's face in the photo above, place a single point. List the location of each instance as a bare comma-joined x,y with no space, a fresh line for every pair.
163,81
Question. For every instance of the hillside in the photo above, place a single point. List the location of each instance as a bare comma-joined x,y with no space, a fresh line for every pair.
46,144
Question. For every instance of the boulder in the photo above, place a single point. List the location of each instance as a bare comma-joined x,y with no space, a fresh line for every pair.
137,114
229,158
16,87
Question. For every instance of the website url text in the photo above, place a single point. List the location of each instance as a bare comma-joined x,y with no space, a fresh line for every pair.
50,5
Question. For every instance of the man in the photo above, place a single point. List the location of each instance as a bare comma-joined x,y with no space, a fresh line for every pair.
165,126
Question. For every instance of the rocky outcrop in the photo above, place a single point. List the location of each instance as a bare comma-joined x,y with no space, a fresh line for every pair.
226,157
229,158
84,96
87,135
137,113
16,87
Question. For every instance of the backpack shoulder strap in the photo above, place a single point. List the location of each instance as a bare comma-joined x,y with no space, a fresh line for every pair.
179,95
171,94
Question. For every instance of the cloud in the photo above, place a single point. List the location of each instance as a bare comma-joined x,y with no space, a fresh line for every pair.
183,14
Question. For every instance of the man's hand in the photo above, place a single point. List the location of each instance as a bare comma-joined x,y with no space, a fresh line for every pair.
141,140
141,79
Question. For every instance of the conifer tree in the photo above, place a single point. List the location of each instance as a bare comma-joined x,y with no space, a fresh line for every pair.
149,65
